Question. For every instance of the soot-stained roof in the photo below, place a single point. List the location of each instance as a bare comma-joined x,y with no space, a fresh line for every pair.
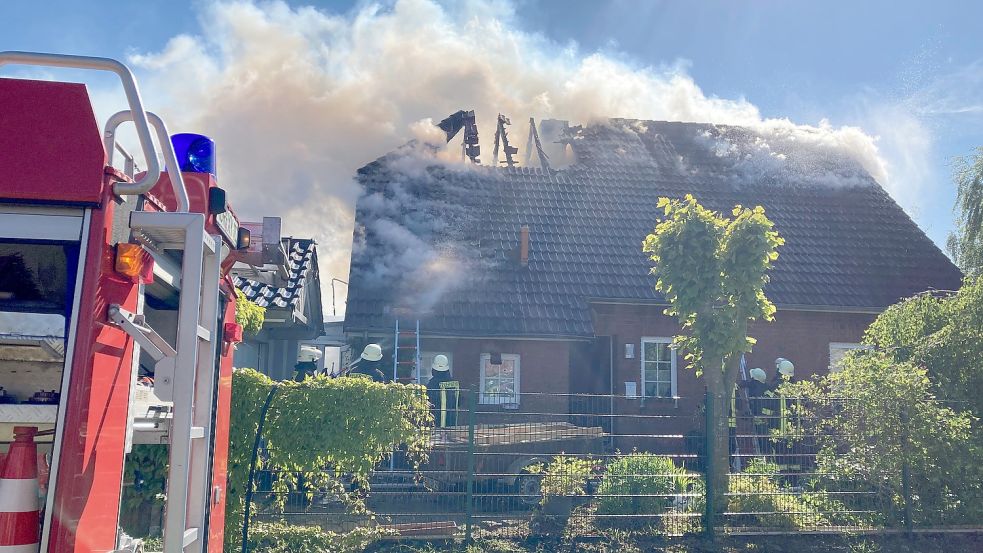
440,242
301,260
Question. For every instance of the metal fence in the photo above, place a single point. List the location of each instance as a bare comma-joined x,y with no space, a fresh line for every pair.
585,466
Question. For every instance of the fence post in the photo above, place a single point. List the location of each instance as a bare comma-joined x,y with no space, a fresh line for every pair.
906,471
708,467
469,493
252,464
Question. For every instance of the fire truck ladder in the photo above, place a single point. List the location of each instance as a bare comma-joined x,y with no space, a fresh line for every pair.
184,374
407,341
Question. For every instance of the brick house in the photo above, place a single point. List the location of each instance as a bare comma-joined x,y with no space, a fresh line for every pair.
574,310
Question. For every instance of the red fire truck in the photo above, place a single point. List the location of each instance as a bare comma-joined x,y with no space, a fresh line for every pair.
116,316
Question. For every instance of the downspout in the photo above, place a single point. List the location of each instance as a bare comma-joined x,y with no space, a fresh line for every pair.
611,384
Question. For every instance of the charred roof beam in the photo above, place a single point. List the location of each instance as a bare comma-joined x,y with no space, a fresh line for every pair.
453,124
501,136
544,160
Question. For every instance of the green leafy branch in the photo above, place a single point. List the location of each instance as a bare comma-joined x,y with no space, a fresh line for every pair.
249,315
323,428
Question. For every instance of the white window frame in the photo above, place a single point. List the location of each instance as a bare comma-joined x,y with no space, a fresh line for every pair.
423,364
498,399
846,347
661,340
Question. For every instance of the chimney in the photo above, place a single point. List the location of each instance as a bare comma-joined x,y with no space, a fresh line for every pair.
524,245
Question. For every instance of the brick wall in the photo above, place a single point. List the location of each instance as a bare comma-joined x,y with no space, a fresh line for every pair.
544,367
803,337
572,367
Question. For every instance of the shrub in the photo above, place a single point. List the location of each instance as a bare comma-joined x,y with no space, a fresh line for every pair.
279,537
758,498
155,543
345,424
249,315
145,470
842,503
892,422
646,484
564,476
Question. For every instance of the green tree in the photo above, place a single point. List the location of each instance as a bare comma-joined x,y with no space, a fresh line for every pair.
877,416
944,336
712,270
966,243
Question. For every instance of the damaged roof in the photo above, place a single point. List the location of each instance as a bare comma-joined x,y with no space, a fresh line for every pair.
301,260
849,246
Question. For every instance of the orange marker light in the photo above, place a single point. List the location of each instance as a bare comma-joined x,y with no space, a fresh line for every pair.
132,261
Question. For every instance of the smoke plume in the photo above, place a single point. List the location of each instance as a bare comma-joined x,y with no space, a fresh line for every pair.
298,99
412,243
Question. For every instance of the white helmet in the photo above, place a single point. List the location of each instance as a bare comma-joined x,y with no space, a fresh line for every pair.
308,354
439,363
784,366
372,352
758,374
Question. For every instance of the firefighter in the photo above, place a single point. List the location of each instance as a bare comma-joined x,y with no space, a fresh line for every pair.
756,387
781,425
784,371
443,392
774,408
306,363
785,368
370,363
746,404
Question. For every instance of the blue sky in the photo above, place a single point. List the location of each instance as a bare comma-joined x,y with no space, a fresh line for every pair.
812,60
909,73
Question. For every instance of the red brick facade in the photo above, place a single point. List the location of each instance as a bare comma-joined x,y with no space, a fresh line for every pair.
801,336
544,368
583,367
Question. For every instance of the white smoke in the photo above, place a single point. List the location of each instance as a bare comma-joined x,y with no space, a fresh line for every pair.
420,227
780,151
297,98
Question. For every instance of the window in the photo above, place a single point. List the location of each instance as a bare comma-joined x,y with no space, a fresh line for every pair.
838,350
37,277
658,367
426,362
499,384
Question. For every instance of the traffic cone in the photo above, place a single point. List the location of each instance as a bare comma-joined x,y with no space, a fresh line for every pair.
20,518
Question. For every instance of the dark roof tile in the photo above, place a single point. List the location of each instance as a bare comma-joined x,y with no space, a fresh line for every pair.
847,246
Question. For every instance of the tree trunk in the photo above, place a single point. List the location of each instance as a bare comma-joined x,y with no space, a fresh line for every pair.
720,443
721,384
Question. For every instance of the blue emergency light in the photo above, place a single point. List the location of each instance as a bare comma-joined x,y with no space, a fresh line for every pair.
195,152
